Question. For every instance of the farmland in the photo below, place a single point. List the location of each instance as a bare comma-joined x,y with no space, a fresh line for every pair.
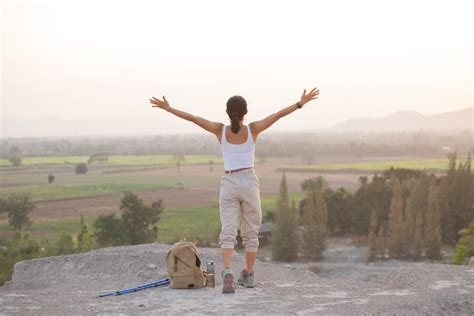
189,196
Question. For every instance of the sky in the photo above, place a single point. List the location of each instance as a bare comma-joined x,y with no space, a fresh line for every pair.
105,59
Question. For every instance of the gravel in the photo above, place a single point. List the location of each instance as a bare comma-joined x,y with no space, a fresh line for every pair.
71,285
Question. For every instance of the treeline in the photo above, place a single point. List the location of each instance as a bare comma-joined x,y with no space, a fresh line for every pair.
405,213
306,146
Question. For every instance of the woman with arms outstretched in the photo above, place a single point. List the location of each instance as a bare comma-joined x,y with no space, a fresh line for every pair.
239,196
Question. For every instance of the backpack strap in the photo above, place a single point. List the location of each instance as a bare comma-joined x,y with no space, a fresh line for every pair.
176,258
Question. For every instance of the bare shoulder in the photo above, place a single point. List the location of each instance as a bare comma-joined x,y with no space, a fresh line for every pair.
253,126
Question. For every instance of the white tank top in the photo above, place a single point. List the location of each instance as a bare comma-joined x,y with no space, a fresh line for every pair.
237,156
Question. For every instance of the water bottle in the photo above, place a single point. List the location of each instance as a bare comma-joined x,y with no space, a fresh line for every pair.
211,281
210,267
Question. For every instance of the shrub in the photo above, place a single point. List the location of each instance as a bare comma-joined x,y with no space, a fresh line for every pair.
465,247
81,168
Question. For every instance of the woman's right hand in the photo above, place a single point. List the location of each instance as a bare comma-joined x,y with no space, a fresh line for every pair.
305,98
162,104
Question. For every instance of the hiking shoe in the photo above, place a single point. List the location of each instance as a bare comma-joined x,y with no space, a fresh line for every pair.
246,279
229,284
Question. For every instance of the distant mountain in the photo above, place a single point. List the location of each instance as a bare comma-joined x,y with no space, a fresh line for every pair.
411,121
53,126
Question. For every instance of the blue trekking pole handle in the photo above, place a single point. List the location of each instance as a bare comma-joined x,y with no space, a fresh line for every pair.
140,287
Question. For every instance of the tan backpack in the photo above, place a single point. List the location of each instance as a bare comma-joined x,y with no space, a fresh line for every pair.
184,266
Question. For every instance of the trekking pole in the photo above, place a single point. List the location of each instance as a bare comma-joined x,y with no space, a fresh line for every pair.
143,287
134,289
164,281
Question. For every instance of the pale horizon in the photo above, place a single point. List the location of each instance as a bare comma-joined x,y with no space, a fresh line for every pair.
105,59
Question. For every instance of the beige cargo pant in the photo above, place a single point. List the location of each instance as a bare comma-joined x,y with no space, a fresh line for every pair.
239,204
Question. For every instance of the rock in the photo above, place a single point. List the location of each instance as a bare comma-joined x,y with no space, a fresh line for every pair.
57,283
152,266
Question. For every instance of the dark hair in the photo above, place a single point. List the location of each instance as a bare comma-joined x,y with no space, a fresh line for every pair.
236,109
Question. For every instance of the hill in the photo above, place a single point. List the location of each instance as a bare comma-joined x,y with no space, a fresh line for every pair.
411,121
70,285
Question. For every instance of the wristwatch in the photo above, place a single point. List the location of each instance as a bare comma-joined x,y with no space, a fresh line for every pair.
299,105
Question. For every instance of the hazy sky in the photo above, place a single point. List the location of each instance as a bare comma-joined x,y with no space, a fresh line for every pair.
95,59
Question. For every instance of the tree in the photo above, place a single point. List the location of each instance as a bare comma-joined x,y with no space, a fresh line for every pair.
66,244
15,156
137,218
339,215
81,168
284,238
415,211
315,223
85,240
18,206
108,231
402,173
408,229
395,241
375,194
16,161
432,224
51,178
313,183
18,248
372,238
418,237
456,195
465,247
177,159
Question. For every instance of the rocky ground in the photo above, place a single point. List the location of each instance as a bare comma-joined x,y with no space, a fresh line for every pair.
71,285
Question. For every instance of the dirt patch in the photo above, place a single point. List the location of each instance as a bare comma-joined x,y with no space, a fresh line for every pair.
110,203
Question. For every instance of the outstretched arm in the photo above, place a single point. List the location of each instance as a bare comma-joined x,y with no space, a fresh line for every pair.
259,126
213,127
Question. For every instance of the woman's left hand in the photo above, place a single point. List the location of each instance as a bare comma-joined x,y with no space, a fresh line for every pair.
312,95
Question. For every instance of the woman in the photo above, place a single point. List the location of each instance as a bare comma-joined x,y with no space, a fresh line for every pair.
239,196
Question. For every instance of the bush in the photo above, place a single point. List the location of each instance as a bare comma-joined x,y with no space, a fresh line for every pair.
17,206
81,168
16,161
17,249
465,247
66,244
137,224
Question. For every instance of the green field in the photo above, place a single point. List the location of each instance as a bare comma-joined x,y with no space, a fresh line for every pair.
57,192
71,185
114,160
422,164
200,222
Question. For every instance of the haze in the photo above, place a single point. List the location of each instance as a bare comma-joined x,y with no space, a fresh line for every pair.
105,59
